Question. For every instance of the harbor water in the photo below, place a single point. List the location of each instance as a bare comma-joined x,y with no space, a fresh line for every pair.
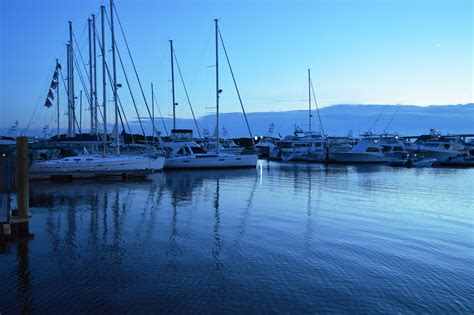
283,238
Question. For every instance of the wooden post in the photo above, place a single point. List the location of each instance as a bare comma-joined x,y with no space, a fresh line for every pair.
22,184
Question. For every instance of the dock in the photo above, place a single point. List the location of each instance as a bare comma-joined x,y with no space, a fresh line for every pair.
14,180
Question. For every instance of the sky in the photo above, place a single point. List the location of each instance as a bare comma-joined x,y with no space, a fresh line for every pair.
359,52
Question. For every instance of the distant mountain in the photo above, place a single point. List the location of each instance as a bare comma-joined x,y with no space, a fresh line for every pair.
336,120
342,119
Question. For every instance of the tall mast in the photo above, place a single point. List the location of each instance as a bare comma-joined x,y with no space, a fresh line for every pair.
68,70
94,59
57,93
153,114
71,84
114,67
104,74
172,84
80,111
91,86
309,93
68,77
217,87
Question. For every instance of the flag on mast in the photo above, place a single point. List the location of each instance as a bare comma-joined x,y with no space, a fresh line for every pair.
53,86
50,94
48,103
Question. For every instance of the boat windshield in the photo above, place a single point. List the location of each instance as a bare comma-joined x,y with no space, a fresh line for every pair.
184,151
372,149
198,150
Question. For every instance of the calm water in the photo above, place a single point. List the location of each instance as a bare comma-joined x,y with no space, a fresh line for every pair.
282,238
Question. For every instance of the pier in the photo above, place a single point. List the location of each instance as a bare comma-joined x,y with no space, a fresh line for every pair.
14,182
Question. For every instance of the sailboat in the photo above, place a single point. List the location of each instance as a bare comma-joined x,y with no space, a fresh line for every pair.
184,153
93,165
304,146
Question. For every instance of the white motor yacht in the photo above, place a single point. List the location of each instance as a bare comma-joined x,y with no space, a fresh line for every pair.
367,150
338,144
266,143
265,146
441,148
392,146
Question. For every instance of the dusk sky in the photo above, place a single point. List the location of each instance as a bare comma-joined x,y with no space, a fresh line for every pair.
371,52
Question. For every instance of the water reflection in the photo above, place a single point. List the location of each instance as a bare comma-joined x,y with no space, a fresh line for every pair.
216,240
24,281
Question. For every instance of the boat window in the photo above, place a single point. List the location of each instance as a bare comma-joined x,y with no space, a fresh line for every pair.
197,150
180,151
372,149
285,144
384,149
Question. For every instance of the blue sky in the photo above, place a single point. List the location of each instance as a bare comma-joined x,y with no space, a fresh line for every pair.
365,51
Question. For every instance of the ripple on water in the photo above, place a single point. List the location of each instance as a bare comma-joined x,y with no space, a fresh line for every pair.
285,238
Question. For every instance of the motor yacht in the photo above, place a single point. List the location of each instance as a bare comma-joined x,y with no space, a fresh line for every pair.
266,143
442,148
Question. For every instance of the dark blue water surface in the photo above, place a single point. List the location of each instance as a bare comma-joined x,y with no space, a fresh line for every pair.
284,238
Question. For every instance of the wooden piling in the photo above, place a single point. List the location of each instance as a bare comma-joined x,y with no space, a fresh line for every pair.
22,186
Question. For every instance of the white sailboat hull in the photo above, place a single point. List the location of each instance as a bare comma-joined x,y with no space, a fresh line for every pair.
87,166
209,161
